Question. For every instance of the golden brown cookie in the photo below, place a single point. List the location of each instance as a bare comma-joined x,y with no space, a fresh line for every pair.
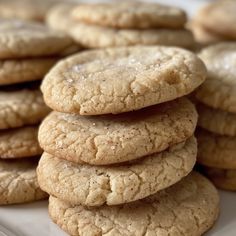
217,151
18,182
222,178
23,70
130,15
216,121
190,207
219,89
113,139
23,107
27,39
117,184
118,80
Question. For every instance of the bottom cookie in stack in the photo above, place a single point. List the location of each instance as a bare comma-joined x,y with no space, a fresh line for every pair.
217,146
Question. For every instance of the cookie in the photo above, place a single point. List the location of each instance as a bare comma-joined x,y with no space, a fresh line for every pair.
112,139
217,151
91,36
23,70
219,90
118,80
223,179
216,121
27,39
130,15
190,207
18,182
219,17
117,184
23,107
19,143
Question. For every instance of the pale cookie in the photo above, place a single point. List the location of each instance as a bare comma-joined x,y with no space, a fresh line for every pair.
130,15
216,150
219,90
117,184
91,36
224,179
216,121
23,107
18,182
26,39
117,138
190,207
23,70
118,80
219,17
19,143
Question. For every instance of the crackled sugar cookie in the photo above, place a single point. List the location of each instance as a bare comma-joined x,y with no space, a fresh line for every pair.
23,70
130,15
216,121
111,139
219,90
222,178
118,184
219,17
190,207
22,107
19,143
18,182
27,39
216,150
121,79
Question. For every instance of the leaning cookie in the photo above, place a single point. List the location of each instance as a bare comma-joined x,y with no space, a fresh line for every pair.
18,182
190,207
117,184
118,80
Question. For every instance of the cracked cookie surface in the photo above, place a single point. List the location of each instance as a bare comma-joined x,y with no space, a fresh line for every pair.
130,15
19,143
27,39
219,89
109,139
18,182
118,80
190,207
223,122
23,107
23,70
117,184
216,150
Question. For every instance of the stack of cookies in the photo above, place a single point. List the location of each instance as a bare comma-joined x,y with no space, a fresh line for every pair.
104,25
215,22
27,52
217,111
119,144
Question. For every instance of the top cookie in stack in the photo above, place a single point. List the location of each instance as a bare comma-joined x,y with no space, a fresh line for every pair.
122,24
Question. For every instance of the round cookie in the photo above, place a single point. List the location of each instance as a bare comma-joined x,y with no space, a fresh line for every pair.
130,15
23,70
92,36
223,122
222,178
27,39
19,143
219,90
23,107
190,207
216,150
113,139
219,17
118,80
117,184
18,181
